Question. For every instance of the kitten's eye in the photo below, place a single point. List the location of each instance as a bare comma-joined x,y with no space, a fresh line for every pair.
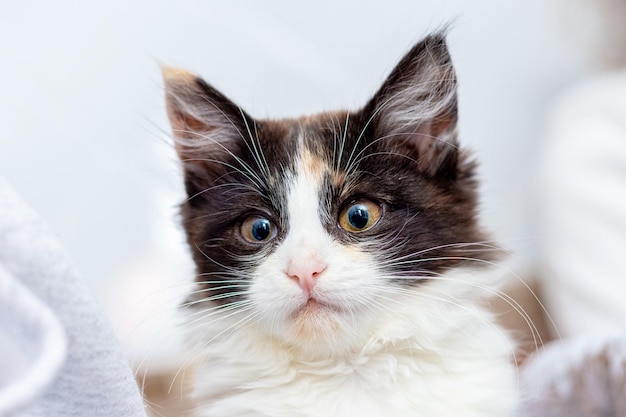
359,216
256,229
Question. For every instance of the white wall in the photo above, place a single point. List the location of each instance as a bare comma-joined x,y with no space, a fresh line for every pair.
84,130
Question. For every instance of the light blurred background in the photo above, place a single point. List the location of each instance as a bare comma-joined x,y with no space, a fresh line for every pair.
85,138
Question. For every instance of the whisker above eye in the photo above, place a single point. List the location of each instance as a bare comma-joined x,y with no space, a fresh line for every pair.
254,146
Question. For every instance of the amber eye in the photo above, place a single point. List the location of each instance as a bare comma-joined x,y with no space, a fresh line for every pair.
257,229
359,216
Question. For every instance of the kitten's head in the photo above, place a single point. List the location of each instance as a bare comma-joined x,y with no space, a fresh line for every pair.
312,228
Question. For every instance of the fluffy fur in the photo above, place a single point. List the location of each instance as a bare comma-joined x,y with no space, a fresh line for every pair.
387,319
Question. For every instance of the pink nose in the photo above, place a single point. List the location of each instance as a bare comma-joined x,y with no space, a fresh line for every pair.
305,271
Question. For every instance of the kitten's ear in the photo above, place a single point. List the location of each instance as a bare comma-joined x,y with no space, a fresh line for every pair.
415,110
204,122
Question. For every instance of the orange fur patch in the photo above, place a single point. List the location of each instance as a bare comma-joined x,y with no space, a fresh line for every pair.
314,165
178,76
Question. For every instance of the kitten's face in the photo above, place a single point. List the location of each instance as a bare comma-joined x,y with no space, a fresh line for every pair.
312,228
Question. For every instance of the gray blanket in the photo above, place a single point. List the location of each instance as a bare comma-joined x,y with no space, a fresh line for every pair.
58,353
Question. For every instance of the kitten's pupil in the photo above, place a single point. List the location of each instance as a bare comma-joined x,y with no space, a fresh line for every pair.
261,229
358,216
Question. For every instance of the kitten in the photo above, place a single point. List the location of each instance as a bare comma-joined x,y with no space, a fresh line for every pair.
339,261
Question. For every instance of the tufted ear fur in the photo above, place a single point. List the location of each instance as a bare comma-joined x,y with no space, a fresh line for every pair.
208,128
415,110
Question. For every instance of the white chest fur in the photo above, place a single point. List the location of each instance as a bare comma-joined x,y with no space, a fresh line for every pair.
415,365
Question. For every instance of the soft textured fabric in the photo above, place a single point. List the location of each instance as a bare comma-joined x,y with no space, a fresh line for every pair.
581,377
58,354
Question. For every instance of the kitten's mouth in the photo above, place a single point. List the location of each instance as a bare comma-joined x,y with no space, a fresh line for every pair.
312,323
315,306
